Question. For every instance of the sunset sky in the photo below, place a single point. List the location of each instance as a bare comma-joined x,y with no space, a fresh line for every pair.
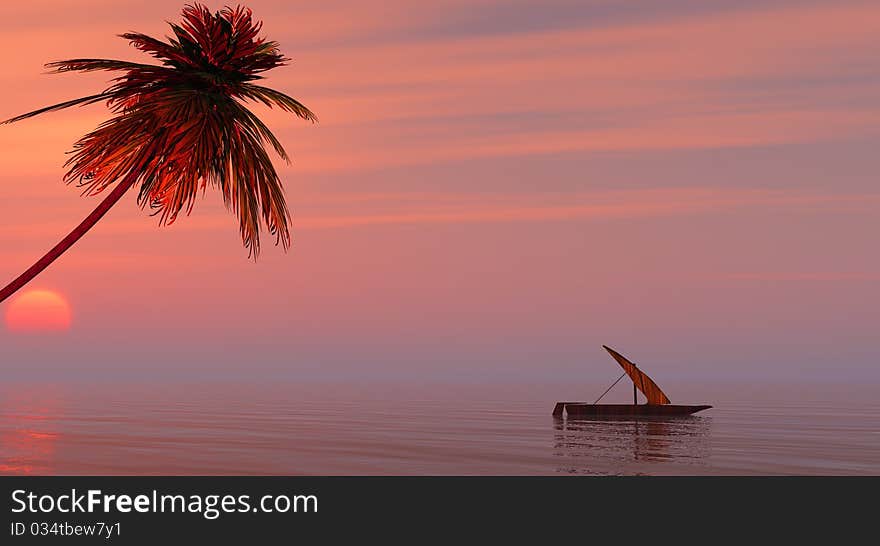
495,189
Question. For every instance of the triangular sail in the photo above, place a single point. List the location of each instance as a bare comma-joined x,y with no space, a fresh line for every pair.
642,382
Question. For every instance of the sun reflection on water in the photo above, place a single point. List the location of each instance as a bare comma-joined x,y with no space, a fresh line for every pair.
29,433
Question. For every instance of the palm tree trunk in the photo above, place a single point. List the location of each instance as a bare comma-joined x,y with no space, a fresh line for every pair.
71,238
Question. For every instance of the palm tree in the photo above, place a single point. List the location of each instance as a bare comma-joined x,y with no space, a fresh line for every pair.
182,125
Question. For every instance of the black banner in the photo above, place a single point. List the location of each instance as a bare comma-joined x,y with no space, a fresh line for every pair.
178,510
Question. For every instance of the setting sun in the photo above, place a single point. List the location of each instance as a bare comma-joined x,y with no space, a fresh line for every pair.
38,311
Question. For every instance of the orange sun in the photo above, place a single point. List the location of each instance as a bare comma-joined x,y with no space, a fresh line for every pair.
38,311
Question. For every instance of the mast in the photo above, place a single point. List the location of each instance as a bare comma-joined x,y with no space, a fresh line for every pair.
635,400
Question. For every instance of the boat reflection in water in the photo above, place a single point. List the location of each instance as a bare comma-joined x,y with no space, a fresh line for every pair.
607,445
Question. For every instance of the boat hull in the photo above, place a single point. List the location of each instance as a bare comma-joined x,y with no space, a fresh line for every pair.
580,409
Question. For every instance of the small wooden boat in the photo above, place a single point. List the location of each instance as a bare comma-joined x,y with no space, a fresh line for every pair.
658,404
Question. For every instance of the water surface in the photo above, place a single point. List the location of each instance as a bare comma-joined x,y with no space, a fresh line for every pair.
329,429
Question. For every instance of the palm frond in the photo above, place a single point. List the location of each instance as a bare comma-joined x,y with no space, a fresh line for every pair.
254,124
91,65
270,96
82,101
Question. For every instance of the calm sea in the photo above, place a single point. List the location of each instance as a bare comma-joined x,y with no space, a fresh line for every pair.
325,428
